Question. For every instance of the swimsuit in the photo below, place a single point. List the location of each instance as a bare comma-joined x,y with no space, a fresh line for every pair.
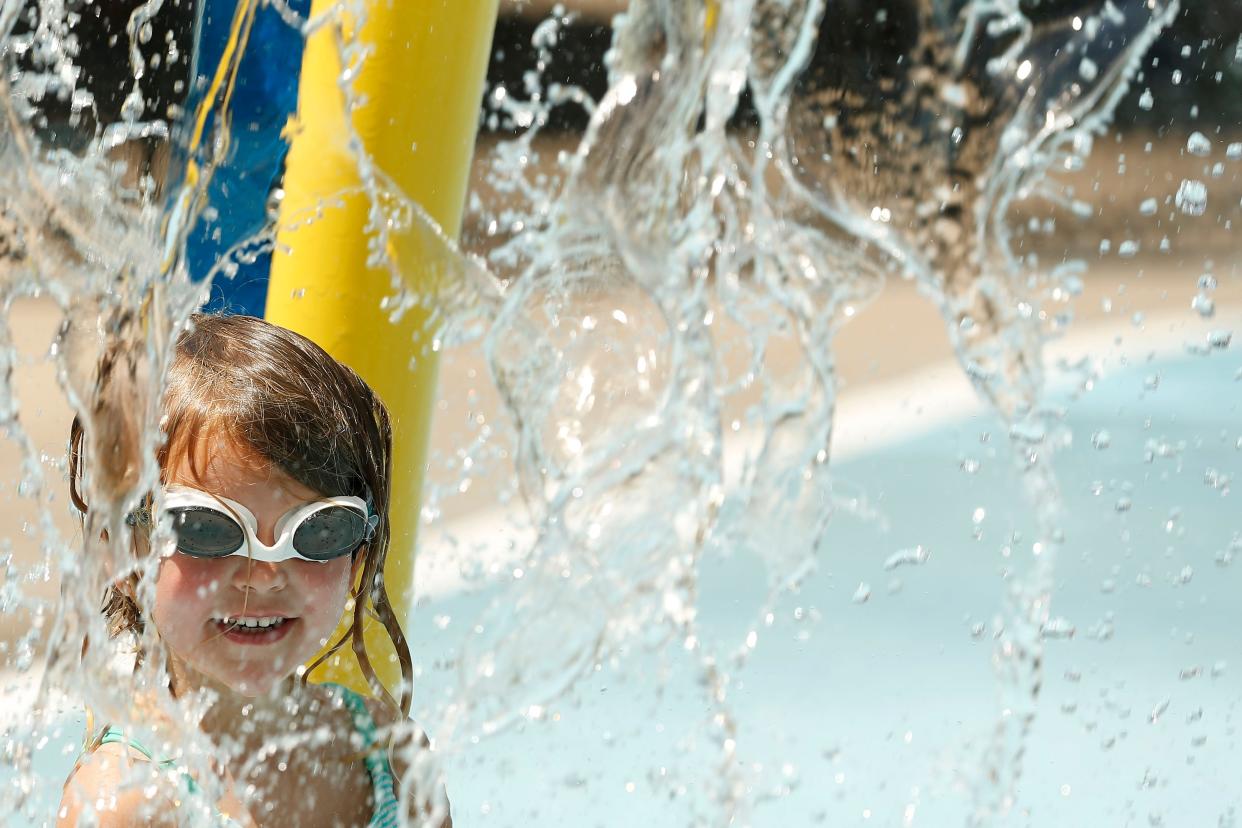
383,787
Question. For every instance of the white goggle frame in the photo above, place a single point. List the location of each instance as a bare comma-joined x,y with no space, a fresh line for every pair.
180,497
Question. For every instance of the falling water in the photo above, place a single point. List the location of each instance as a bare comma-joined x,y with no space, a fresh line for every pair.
905,164
95,224
756,172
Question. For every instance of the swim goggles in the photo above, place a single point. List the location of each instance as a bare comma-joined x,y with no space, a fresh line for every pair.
208,526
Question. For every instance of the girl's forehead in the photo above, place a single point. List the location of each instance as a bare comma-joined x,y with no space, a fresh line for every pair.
220,465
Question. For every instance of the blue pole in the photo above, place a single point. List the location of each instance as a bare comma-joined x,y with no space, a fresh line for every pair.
263,100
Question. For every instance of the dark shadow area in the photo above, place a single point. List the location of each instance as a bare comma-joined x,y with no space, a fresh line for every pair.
1194,70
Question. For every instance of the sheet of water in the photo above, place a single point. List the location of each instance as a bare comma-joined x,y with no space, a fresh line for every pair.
631,318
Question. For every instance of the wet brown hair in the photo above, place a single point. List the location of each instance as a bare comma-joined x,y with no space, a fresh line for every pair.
271,391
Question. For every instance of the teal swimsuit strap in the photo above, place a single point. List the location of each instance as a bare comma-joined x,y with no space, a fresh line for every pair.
383,786
113,736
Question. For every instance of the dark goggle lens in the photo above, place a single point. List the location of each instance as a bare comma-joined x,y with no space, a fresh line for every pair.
330,533
206,533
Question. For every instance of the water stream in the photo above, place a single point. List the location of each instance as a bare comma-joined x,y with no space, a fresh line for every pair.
657,306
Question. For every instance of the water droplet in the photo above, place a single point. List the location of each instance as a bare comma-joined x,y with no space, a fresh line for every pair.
1123,504
1032,433
81,99
1191,197
862,594
1127,248
908,557
1148,207
1199,144
1059,628
1146,101
1088,69
1234,151
1101,440
133,106
955,95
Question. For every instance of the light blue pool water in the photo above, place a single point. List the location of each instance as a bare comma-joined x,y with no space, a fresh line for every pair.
884,708
879,712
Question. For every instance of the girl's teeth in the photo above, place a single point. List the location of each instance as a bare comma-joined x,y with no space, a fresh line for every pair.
253,623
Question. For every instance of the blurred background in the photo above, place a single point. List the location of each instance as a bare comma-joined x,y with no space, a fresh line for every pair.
1194,72
1144,260
1144,290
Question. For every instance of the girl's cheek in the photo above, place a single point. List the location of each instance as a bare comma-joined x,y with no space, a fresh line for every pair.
190,578
182,583
325,580
326,586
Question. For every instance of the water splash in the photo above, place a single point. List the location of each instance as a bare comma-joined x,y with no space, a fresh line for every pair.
635,313
906,161
95,226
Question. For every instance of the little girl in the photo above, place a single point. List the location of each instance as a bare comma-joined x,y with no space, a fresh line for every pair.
275,479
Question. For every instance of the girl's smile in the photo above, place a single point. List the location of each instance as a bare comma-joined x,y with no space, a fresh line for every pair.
255,631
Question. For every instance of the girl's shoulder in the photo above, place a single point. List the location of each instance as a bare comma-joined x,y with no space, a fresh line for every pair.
118,783
400,741
376,721
102,786
408,743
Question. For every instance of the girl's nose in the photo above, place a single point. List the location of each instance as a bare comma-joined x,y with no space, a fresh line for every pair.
258,576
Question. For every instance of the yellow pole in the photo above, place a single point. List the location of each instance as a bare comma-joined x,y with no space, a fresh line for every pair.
417,96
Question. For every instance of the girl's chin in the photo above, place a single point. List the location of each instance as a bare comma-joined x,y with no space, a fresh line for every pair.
254,687
254,679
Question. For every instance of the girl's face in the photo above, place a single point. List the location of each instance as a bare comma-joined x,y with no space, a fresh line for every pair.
192,595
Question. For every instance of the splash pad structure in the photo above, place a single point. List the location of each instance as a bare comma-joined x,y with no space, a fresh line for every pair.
708,601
